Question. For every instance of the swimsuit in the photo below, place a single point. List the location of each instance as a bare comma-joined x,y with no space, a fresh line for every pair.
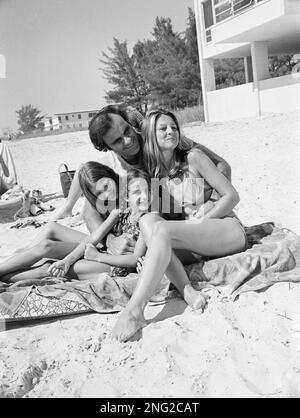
132,230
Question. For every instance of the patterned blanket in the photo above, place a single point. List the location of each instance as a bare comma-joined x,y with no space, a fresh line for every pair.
272,259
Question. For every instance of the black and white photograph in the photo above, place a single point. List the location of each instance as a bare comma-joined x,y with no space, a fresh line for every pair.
149,201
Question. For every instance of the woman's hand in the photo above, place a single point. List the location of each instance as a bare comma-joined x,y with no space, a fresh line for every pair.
59,268
140,263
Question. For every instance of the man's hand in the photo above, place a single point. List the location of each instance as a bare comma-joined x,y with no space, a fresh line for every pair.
123,244
225,169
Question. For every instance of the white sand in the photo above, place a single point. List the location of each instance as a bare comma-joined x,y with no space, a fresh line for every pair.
247,348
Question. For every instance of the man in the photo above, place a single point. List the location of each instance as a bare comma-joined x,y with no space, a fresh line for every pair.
116,129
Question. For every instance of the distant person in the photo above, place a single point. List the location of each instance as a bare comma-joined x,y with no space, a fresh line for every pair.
8,175
116,129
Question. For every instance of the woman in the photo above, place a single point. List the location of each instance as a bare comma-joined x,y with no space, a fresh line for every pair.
211,230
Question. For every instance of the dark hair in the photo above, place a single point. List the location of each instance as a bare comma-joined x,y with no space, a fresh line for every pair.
153,160
90,173
101,123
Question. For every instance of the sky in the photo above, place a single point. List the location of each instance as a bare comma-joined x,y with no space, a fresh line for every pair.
52,49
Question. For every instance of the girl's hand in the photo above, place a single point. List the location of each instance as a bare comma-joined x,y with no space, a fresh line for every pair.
91,253
140,263
59,268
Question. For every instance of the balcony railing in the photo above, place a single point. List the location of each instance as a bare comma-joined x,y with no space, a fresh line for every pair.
225,9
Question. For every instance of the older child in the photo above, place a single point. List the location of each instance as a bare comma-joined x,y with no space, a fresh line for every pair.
100,186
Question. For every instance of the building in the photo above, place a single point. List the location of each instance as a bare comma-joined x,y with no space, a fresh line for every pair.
72,120
51,123
253,30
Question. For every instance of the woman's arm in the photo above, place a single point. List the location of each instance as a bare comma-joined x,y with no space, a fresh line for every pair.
206,169
62,266
95,237
126,260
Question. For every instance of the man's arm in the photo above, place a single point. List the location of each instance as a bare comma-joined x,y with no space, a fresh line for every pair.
221,164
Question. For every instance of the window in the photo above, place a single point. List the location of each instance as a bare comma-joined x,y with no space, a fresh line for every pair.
67,117
91,115
80,125
59,118
68,126
72,116
79,116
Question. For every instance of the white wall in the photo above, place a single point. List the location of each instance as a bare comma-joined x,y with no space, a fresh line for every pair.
2,66
277,95
232,103
281,94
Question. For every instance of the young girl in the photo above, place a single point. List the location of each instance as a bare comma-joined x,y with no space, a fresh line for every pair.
100,186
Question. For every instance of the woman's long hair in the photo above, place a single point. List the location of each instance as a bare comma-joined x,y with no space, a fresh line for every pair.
153,160
88,176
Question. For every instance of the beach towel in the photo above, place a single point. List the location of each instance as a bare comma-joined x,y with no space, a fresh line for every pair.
275,259
8,174
52,297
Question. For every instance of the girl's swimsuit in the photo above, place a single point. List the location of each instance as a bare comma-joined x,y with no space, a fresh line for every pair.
132,230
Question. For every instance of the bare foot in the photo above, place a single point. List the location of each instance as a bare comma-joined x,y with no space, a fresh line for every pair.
194,298
62,213
127,325
91,253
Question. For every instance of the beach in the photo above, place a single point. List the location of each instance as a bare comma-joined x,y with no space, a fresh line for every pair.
244,348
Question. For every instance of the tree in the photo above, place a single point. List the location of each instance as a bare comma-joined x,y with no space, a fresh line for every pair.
163,70
29,117
193,68
281,65
121,71
162,62
229,72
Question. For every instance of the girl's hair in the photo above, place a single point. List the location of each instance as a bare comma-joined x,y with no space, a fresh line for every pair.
90,173
153,160
135,173
101,122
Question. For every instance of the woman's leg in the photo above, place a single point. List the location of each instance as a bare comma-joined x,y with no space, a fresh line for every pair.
212,237
45,249
34,273
175,270
57,232
86,270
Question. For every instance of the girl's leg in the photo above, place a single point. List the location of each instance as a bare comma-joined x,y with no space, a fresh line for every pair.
85,270
212,237
45,249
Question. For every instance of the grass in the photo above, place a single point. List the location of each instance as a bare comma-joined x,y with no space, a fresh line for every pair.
38,133
190,114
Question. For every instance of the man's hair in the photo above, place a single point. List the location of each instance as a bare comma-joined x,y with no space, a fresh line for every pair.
101,123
